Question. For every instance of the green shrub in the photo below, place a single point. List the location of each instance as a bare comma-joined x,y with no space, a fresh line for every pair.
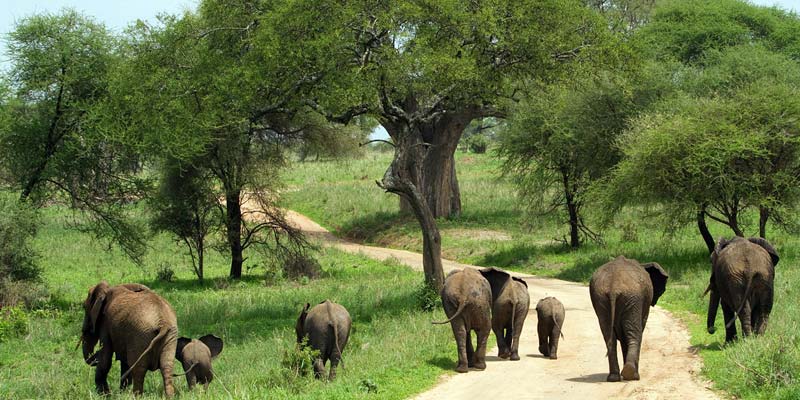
478,144
427,297
298,361
13,322
18,260
165,273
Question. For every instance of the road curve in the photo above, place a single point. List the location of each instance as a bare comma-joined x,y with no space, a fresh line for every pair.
668,367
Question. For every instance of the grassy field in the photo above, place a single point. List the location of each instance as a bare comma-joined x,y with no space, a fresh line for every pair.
393,351
495,231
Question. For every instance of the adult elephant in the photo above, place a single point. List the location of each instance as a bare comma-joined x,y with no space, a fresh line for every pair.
467,301
622,292
510,303
742,278
135,324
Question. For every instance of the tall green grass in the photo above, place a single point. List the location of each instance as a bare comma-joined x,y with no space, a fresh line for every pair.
494,230
394,351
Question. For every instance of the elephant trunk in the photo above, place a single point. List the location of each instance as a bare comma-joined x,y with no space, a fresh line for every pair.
713,305
88,343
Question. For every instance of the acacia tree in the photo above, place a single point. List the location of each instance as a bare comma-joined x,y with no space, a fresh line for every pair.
54,142
719,154
216,89
425,70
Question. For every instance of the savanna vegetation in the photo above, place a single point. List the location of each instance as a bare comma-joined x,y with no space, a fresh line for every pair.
543,136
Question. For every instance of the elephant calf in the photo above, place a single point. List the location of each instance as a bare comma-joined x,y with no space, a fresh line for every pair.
195,356
551,318
467,301
622,292
742,278
327,327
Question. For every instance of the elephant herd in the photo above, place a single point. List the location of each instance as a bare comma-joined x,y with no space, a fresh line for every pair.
139,328
621,291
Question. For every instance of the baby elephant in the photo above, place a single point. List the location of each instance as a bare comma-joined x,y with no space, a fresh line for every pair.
196,355
327,327
551,318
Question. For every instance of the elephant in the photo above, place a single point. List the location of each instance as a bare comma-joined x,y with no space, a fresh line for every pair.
467,300
550,313
135,324
742,278
327,327
195,356
510,303
622,291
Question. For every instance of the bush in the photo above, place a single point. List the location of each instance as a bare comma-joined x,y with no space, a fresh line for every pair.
478,144
13,323
302,266
298,361
427,297
18,224
31,294
165,273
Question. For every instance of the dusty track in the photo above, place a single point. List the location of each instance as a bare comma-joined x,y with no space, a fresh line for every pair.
668,368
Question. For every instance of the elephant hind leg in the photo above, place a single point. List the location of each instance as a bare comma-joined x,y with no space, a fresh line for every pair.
480,351
461,337
730,322
138,379
470,349
554,333
544,333
613,363
101,372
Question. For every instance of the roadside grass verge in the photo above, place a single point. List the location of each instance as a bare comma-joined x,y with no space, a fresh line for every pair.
494,230
393,352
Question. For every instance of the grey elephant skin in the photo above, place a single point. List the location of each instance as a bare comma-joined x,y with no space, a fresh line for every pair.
327,327
622,292
467,300
550,313
510,304
135,324
742,279
195,355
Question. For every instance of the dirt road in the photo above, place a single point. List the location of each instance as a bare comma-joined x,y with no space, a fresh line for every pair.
668,368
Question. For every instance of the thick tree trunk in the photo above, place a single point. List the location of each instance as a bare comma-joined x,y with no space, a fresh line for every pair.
400,178
438,181
763,217
572,210
233,224
701,225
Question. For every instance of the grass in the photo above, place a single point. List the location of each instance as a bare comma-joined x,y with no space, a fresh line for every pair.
394,351
494,230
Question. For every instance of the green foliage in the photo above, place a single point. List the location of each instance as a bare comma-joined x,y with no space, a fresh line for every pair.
14,322
298,361
428,298
165,273
18,259
687,29
478,144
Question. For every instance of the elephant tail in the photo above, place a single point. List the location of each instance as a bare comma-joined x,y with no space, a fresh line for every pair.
162,333
747,290
187,371
458,312
555,322
613,305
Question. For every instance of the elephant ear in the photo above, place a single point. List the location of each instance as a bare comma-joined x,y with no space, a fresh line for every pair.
182,342
135,287
214,344
301,321
97,302
773,254
497,279
659,279
520,280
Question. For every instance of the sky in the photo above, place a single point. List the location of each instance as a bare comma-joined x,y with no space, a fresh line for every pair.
117,14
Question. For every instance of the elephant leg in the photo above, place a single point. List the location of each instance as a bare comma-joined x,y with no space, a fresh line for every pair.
191,380
165,364
745,318
613,363
124,383
470,350
319,368
334,363
544,333
630,353
480,351
101,372
516,333
460,334
553,349
502,348
138,379
730,322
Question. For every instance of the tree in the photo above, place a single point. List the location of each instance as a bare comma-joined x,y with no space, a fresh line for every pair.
427,69
562,139
719,154
186,206
215,89
54,143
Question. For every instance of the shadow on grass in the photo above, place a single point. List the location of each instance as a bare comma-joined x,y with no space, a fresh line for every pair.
370,226
443,363
522,254
194,285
